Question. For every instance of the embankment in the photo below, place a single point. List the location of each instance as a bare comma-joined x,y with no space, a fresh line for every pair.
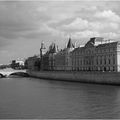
89,77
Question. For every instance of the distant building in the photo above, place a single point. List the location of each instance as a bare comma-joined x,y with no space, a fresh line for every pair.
33,63
20,62
17,64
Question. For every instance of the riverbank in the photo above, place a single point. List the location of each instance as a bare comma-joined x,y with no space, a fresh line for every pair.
79,76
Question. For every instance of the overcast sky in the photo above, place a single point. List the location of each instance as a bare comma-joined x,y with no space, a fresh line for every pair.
23,25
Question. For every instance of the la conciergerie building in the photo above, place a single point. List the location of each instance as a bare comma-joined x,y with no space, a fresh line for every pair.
96,55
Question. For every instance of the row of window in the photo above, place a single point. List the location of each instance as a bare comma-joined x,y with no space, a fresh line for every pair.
108,68
93,51
105,61
113,68
91,61
105,50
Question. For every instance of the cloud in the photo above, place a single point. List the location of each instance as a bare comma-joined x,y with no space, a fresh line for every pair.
103,26
36,17
108,15
85,34
27,23
4,42
111,35
99,23
19,17
83,25
76,25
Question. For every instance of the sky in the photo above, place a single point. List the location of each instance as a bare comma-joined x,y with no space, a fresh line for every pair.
25,24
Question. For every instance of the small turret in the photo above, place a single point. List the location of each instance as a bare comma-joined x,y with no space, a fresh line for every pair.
42,45
42,48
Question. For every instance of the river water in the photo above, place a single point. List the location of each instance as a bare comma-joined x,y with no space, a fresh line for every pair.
31,98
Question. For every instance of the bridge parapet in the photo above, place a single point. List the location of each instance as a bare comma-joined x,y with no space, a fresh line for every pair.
22,74
8,73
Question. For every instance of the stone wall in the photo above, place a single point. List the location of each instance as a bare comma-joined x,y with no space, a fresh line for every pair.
89,77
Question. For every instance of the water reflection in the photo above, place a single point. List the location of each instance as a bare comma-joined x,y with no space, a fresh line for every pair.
35,98
101,101
95,101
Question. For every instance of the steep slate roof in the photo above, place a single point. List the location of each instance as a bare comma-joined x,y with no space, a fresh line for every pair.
53,48
107,44
42,45
70,45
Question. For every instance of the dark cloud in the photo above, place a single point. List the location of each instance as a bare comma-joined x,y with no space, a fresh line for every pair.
19,17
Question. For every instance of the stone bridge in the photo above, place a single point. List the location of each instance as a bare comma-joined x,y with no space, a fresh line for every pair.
15,72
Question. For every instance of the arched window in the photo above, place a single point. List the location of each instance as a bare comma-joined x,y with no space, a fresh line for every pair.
113,68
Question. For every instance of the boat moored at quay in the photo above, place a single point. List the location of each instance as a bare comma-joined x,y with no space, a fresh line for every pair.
98,61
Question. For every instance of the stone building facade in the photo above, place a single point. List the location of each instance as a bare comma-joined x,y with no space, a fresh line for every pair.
60,60
33,63
52,52
63,58
48,59
97,55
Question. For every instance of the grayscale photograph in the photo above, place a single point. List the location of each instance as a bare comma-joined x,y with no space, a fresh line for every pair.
59,59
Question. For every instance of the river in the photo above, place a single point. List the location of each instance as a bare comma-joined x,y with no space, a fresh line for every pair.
31,98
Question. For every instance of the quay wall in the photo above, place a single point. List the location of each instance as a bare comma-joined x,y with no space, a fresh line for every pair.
89,77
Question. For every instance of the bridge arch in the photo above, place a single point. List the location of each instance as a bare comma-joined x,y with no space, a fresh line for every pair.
22,74
1,75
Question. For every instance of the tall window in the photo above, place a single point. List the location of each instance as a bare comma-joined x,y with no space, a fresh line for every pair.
97,60
113,59
78,61
104,59
101,60
109,60
113,68
84,62
81,62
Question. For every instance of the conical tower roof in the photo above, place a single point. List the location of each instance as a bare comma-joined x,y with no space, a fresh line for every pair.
54,49
70,44
42,45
